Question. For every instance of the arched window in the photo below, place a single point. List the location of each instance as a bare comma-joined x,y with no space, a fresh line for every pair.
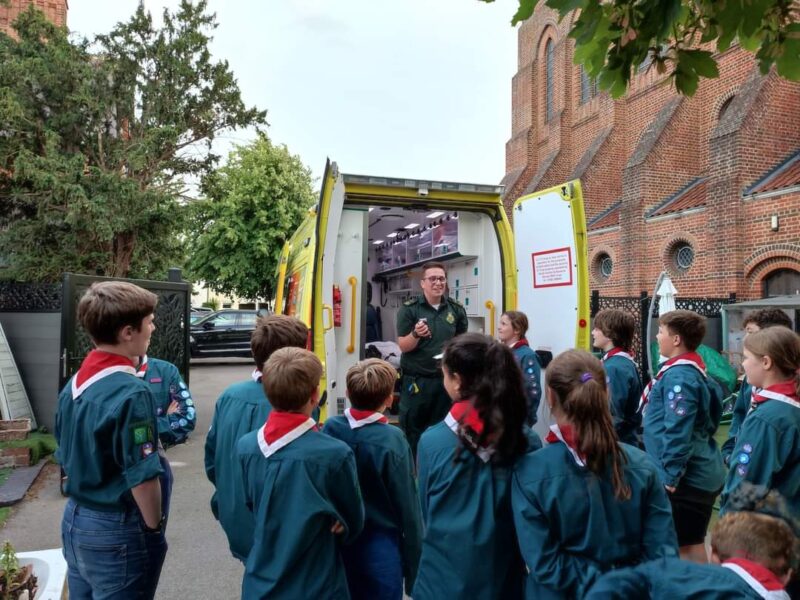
588,86
725,106
549,60
781,283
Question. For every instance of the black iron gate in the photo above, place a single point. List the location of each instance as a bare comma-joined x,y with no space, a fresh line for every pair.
170,340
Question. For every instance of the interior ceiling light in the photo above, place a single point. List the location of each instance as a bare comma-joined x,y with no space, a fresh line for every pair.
392,235
433,215
377,242
411,226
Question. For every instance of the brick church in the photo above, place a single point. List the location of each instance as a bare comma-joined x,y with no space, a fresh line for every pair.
55,10
706,188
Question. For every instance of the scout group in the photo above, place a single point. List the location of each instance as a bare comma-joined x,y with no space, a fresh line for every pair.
616,504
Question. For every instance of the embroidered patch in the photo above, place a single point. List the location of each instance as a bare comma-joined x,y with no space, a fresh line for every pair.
183,385
189,402
156,380
185,394
741,470
450,318
743,458
160,411
672,405
680,410
141,434
747,448
676,389
147,449
183,422
671,395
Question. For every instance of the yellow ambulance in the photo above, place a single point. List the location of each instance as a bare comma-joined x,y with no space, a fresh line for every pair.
378,231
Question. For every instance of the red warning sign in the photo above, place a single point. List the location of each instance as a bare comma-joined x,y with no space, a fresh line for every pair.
552,268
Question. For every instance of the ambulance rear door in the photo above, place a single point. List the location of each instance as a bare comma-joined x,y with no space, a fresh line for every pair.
552,272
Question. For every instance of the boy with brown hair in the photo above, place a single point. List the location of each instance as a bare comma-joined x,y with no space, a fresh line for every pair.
106,430
613,333
753,322
682,408
301,487
388,549
240,409
753,554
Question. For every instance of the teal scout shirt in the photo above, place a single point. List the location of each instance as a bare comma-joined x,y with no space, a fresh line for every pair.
531,379
740,409
295,496
470,548
448,321
107,441
672,579
241,408
572,528
386,476
166,383
767,453
682,415
625,391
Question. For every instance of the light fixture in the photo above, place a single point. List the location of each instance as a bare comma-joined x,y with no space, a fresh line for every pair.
411,226
377,242
433,215
392,235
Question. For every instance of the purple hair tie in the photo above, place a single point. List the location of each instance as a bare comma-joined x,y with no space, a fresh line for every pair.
586,377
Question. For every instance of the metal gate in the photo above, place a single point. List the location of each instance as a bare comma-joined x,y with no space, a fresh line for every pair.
170,340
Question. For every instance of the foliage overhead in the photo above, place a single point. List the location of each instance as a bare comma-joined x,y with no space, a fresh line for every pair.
254,203
98,140
613,38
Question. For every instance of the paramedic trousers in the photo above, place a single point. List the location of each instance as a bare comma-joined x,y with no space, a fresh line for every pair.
423,402
109,554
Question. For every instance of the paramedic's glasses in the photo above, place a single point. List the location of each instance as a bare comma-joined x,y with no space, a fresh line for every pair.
435,279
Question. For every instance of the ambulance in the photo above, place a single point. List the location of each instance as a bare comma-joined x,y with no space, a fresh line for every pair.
378,232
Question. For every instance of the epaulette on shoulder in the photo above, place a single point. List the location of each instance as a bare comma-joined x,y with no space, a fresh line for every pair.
410,302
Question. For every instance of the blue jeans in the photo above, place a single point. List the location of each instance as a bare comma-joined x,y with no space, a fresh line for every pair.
373,566
109,555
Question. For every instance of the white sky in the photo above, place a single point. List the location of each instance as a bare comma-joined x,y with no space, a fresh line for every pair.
409,88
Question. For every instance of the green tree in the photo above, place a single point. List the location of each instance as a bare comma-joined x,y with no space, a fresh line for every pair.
613,38
254,203
98,140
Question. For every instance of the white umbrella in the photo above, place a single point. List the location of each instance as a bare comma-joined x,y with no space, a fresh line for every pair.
666,296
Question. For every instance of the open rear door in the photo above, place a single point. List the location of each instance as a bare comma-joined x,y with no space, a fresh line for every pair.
329,214
552,271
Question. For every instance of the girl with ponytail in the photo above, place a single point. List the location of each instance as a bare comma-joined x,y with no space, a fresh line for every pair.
464,466
767,450
586,503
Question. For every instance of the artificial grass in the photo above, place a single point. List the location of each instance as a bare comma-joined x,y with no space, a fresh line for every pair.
41,444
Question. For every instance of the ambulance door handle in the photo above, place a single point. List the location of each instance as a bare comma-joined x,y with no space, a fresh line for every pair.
353,288
490,305
329,310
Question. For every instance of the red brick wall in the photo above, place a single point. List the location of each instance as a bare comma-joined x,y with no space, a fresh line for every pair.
647,156
55,10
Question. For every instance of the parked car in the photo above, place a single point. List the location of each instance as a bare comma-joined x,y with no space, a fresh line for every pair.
225,332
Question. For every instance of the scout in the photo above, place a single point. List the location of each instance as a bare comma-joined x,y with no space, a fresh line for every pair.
424,324
106,429
301,487
175,411
388,549
682,408
755,321
585,504
767,451
241,408
753,552
470,548
613,334
512,330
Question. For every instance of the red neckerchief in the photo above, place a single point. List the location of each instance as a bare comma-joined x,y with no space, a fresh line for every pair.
281,429
757,576
358,418
99,364
519,343
466,423
689,358
785,391
569,437
618,352
142,368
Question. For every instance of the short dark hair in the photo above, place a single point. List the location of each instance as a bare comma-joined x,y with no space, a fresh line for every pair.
108,306
616,325
369,383
687,324
274,332
433,265
291,376
768,317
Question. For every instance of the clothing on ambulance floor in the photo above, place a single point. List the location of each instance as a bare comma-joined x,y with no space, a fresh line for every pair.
531,377
625,391
297,483
741,407
767,450
167,385
675,579
470,547
240,409
572,528
106,433
423,399
386,476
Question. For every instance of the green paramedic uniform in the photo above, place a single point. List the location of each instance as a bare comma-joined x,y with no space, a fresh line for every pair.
423,399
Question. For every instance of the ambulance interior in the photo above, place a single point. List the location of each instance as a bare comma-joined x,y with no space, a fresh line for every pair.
386,246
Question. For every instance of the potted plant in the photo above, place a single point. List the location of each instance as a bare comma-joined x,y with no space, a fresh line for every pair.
16,582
